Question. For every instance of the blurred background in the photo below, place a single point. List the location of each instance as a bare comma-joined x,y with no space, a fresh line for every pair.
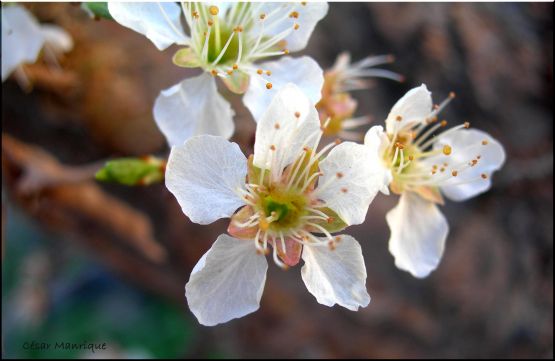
90,262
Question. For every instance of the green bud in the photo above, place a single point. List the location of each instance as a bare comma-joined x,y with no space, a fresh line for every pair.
133,171
98,9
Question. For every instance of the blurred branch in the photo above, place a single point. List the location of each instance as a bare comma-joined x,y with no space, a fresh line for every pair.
67,200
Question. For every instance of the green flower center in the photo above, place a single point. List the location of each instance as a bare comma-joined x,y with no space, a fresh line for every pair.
287,208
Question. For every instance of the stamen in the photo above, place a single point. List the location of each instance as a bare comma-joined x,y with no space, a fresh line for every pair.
447,149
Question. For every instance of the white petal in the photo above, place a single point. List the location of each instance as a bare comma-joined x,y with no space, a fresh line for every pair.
193,107
303,72
280,128
227,282
413,107
418,233
353,175
336,276
159,22
376,139
22,38
309,15
466,144
204,174
57,38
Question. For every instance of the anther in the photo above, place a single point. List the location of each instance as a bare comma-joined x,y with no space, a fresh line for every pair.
454,173
398,118
443,123
210,22
303,3
339,175
330,220
195,14
268,72
268,86
337,141
400,145
331,245
452,95
262,16
478,156
442,169
473,162
466,125
484,176
294,14
214,10
230,72
411,157
277,126
337,239
484,142
259,72
272,147
285,51
235,66
344,190
296,26
213,72
297,114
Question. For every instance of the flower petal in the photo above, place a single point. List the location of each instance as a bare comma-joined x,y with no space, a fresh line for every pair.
303,72
159,22
418,233
289,123
352,176
22,38
412,108
204,174
376,139
338,275
57,38
307,16
227,282
466,145
193,107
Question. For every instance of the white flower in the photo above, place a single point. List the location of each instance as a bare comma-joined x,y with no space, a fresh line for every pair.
457,163
287,192
23,38
337,105
225,40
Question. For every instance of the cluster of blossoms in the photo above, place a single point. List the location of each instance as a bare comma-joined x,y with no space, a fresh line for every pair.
293,195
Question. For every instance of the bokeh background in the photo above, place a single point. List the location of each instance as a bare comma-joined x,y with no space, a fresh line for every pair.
90,262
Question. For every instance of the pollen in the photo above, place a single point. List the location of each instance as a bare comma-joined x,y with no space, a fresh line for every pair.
235,66
454,173
259,72
339,175
447,149
466,125
268,86
484,142
294,14
344,190
214,10
443,123
484,176
297,114
296,26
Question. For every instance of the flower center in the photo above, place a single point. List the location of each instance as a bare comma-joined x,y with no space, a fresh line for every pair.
286,206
